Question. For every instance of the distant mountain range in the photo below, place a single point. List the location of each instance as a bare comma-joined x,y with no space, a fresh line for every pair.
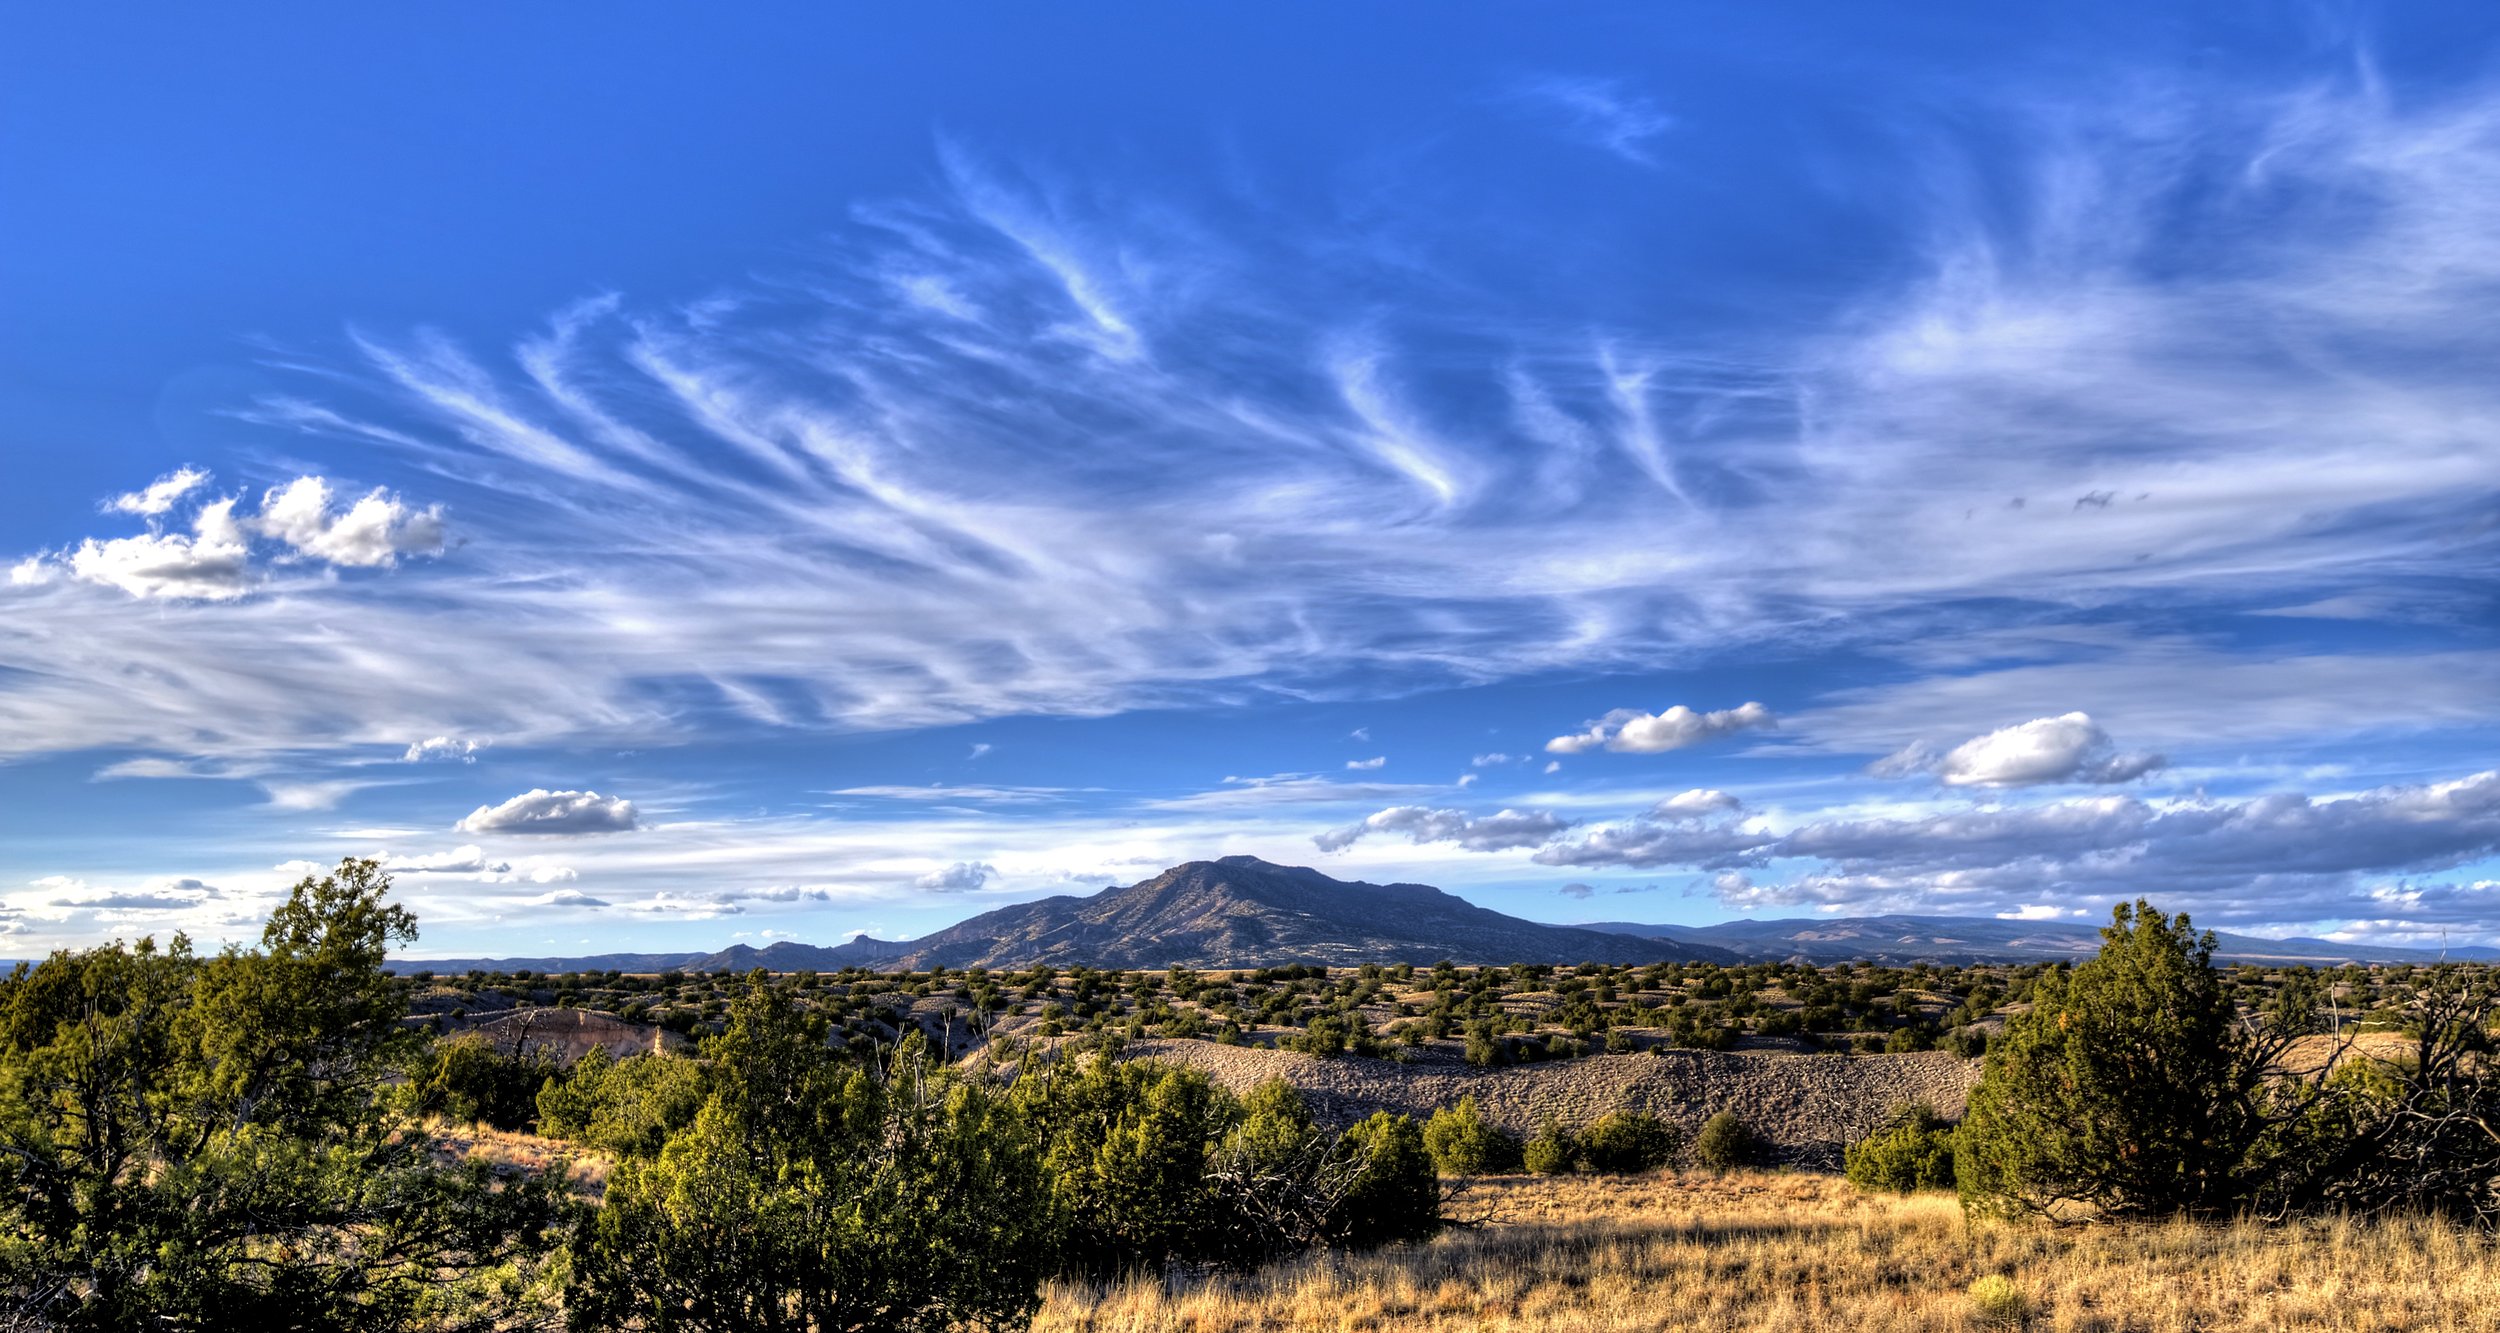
1962,939
1234,913
1243,912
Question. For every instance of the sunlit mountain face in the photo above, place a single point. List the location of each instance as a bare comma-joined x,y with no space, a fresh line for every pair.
1616,466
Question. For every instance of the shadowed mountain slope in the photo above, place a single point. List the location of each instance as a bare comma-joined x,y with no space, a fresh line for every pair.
1245,912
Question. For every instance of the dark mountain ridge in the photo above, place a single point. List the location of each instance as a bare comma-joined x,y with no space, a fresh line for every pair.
1245,912
780,956
1241,912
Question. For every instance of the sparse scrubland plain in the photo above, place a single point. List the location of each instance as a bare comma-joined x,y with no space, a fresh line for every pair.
267,1139
1801,1253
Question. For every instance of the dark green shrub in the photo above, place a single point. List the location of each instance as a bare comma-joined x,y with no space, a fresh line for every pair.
1125,1146
813,1194
563,1102
1394,1194
1463,1143
1552,1152
2132,1085
1334,1035
216,1143
1912,1152
469,1080
1725,1142
1279,1183
628,1107
1707,1037
1484,1049
1268,1182
1626,1143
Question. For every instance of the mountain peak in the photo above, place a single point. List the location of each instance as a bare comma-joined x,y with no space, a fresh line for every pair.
1246,911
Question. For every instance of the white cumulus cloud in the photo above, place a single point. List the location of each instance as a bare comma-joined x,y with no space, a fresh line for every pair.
213,563
567,898
437,748
374,531
961,877
1500,831
216,560
2284,856
541,811
2066,748
1630,731
159,495
1699,803
469,859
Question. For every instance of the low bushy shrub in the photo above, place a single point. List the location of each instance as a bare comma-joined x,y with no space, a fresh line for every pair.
1627,1142
1394,1195
1996,1300
469,1080
1912,1152
1725,1142
1463,1143
1552,1152
628,1107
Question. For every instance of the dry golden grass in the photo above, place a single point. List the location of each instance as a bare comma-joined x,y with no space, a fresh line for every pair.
514,1150
1797,1252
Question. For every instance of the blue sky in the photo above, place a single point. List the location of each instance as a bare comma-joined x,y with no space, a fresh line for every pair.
660,478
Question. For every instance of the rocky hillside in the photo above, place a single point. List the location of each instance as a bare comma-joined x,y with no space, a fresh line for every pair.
1806,1107
1244,912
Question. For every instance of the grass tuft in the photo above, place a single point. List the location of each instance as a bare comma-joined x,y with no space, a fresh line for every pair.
1793,1253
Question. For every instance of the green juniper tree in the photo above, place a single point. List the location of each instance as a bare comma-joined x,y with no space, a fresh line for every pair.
209,1143
812,1195
1725,1143
2134,1085
1125,1148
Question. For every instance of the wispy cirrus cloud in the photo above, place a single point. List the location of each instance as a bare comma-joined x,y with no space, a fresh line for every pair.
1026,446
1603,113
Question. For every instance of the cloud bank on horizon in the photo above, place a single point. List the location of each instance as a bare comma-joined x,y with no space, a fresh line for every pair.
2113,517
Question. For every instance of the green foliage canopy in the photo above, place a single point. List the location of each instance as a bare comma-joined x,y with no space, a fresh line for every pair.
1626,1143
1726,1142
1463,1143
2131,1086
1912,1152
190,1143
811,1195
